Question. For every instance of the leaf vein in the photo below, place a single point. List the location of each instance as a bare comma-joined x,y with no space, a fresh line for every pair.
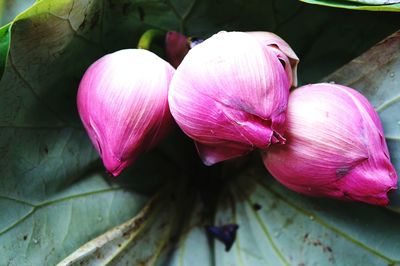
36,95
17,200
327,225
48,203
388,103
266,231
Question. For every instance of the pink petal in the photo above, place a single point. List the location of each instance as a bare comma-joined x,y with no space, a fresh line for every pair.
335,146
230,89
122,101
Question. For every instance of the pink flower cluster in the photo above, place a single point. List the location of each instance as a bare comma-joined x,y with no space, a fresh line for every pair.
231,95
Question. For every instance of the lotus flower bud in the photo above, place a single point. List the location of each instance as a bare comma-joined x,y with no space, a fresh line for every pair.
176,47
230,95
335,146
122,102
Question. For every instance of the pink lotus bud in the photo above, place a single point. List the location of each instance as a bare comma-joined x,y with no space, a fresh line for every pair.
230,95
176,47
335,146
122,101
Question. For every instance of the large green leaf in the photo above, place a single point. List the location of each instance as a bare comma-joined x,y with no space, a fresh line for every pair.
370,5
53,193
277,227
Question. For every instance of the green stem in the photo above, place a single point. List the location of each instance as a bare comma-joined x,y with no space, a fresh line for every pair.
148,37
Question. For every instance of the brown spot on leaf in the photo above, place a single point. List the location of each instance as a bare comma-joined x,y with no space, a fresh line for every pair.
325,248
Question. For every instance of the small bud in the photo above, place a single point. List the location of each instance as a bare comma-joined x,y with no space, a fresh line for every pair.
335,146
230,95
122,102
176,47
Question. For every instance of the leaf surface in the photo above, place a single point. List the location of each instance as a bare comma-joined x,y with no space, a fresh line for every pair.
54,195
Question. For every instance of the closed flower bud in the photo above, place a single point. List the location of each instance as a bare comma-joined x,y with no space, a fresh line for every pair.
230,95
122,102
176,47
335,146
